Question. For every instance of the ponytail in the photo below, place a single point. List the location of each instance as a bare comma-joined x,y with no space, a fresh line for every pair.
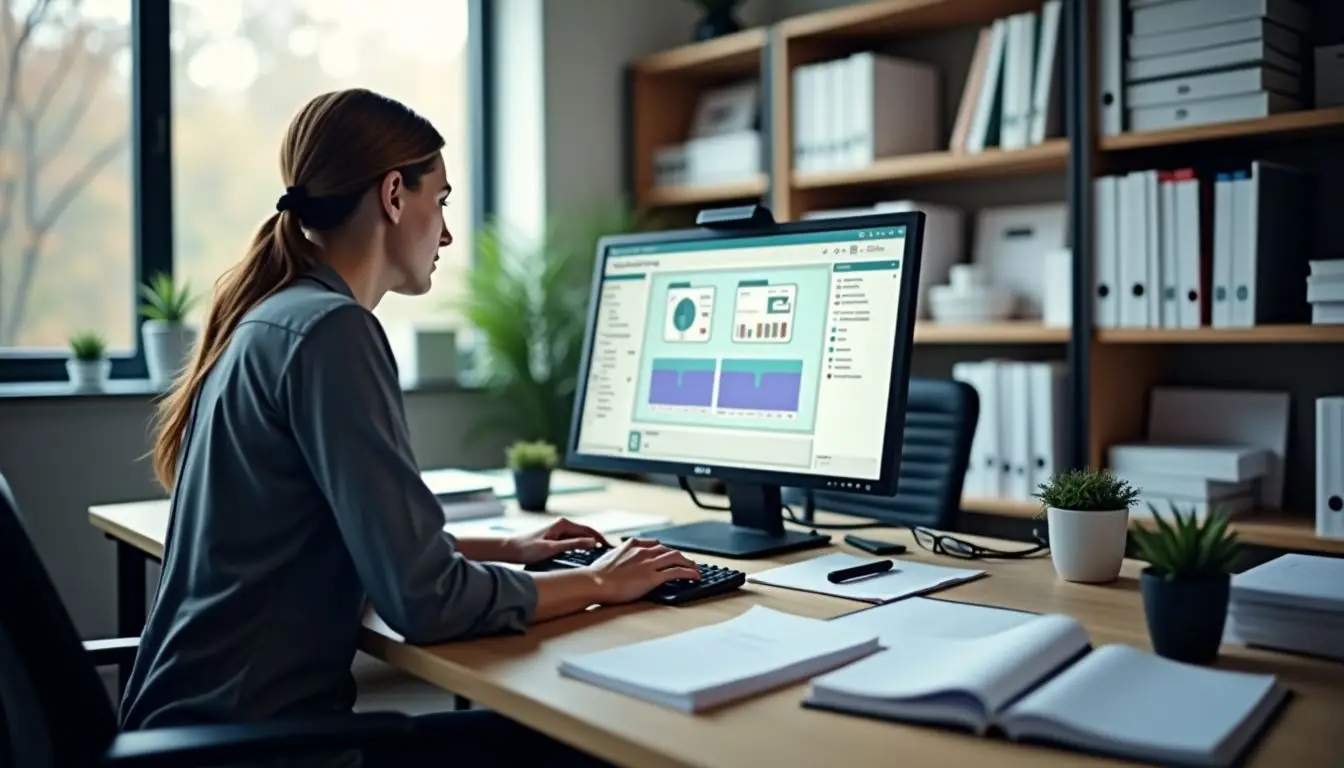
279,253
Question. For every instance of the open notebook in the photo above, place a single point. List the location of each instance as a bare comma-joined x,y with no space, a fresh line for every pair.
1034,678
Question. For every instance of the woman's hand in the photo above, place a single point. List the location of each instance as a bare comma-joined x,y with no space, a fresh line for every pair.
560,536
633,569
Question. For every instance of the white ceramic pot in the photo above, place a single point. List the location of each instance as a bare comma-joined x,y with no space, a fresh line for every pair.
168,348
88,375
1088,546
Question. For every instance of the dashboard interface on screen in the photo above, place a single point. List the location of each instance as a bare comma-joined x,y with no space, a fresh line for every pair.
770,353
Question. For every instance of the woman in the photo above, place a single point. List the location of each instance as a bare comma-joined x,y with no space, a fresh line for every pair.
295,493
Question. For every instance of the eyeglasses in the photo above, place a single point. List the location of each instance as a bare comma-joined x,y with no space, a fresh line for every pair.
951,546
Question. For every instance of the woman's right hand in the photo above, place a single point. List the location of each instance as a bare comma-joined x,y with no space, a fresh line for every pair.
635,567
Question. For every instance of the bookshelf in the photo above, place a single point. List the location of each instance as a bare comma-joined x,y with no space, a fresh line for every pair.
1112,369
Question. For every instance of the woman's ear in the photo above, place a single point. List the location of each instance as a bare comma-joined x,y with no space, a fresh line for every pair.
391,195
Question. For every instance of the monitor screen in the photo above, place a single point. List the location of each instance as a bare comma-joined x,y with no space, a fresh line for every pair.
772,353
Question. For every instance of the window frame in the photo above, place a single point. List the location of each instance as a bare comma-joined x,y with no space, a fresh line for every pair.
151,139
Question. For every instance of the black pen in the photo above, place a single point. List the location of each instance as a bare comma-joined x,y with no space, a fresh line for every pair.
856,571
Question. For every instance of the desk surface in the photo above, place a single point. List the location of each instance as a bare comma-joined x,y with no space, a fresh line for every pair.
517,675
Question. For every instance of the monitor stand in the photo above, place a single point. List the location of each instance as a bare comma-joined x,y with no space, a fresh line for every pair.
757,528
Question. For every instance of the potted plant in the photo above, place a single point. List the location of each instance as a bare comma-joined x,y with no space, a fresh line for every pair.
718,19
1088,516
526,306
88,366
1186,584
532,463
167,338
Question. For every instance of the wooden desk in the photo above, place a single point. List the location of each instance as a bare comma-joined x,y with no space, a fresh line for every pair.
517,676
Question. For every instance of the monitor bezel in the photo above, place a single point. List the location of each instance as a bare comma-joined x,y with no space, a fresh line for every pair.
885,483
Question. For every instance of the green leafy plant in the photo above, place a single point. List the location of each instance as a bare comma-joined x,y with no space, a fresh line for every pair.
528,306
87,346
537,454
1185,548
1087,490
165,300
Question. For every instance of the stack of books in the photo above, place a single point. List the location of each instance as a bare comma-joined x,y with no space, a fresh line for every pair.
1325,292
1191,479
1194,62
1292,603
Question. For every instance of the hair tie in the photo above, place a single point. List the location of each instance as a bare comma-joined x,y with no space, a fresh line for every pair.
293,197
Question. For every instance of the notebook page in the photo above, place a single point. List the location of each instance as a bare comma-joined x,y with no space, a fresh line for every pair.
907,577
995,668
928,617
752,645
1152,706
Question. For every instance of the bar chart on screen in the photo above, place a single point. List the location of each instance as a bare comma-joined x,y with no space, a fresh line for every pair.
682,382
771,386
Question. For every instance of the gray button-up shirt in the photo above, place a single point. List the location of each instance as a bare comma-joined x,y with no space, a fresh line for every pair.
298,497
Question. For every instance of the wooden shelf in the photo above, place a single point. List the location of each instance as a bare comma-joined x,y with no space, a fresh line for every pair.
1013,332
1279,530
735,54
1292,124
893,18
1262,334
1266,529
673,196
1051,156
1004,507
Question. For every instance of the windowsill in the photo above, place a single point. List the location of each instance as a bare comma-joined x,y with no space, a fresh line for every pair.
142,388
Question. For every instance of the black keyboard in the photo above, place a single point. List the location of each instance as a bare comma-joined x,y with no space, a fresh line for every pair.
714,579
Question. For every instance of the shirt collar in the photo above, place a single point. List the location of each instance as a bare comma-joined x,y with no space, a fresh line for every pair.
324,274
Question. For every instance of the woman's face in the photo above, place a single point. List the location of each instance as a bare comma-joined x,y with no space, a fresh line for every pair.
418,231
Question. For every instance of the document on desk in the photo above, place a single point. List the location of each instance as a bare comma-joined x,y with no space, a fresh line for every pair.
756,651
906,578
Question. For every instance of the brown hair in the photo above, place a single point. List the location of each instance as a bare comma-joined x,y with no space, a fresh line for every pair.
336,148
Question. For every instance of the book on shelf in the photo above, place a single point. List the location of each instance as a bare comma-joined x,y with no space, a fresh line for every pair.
1012,96
755,651
1037,678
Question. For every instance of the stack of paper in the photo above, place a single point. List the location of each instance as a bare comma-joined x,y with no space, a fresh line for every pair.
463,495
1325,291
1291,603
1192,479
906,578
690,671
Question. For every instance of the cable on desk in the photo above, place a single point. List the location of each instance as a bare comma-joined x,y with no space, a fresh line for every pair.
937,543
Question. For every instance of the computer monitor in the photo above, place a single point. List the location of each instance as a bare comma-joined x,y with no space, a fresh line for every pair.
762,355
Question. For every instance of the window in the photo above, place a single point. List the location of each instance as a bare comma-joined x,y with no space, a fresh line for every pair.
142,136
66,197
242,69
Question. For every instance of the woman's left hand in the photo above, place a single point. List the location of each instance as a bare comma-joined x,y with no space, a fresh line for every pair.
560,536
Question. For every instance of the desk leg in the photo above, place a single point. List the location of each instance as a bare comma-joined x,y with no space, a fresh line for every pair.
131,609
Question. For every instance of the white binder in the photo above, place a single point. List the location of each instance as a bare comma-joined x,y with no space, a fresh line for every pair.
1152,246
1111,63
1188,191
1047,409
1015,416
1108,293
982,473
1133,256
1169,271
1330,467
1224,211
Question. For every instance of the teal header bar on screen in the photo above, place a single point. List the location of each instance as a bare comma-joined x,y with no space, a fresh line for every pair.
866,266
801,238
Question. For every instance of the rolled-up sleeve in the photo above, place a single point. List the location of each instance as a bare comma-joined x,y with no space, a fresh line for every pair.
344,404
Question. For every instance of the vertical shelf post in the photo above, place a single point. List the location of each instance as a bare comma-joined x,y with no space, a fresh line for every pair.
1080,112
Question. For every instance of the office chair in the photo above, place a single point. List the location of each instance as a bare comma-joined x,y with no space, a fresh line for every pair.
55,711
940,420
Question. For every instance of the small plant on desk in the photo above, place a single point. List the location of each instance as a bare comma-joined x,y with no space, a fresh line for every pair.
166,335
1186,585
1087,512
532,463
88,366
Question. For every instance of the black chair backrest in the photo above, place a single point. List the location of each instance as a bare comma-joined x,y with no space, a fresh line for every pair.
56,710
940,419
